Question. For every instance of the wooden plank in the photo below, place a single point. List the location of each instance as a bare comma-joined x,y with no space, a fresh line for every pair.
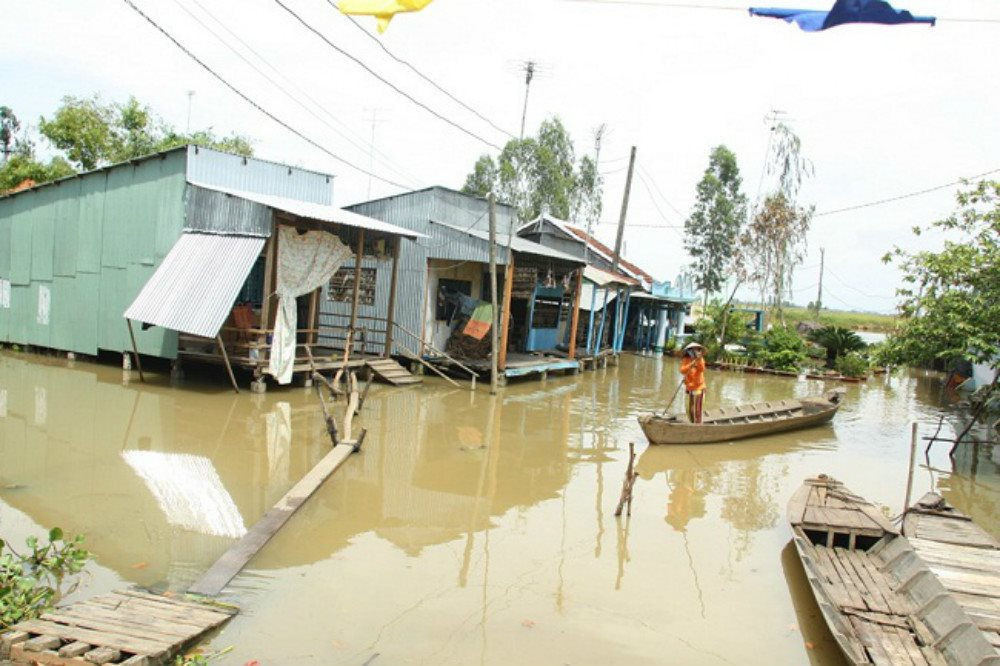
42,643
224,611
847,572
103,655
90,620
71,633
234,559
74,649
874,597
847,584
143,607
911,647
10,638
180,621
872,642
47,658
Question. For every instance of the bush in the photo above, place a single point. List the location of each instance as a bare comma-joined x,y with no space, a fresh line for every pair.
30,584
838,341
786,359
852,365
780,348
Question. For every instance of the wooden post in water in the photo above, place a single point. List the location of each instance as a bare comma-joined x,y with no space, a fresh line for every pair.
390,320
135,349
909,475
359,254
630,475
575,320
493,294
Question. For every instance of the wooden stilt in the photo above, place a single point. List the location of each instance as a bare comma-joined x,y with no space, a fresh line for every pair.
508,289
135,349
390,320
575,321
359,254
229,367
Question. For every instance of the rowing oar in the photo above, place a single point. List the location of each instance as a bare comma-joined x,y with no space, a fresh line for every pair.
674,397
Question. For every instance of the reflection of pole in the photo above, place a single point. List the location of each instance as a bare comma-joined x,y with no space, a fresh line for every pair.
490,441
909,473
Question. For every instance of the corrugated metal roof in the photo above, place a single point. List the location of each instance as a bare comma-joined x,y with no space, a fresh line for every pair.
519,244
601,278
195,287
315,211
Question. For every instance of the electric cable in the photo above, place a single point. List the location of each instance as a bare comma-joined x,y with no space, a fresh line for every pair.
904,196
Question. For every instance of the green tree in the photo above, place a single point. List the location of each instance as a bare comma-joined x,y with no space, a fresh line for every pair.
538,174
712,230
93,134
20,163
9,127
776,237
951,301
837,341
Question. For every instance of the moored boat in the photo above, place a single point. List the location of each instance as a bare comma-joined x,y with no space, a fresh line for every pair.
881,601
741,421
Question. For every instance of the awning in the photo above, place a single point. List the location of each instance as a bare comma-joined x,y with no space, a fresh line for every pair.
194,289
602,277
315,211
588,297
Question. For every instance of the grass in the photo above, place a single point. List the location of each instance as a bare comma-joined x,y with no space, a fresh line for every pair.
856,321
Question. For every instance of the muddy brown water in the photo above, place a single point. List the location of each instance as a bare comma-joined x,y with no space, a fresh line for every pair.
470,529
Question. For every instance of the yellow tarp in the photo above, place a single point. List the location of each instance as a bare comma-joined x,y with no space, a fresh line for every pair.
383,10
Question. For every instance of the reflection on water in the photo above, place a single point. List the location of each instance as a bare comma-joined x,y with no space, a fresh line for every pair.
470,528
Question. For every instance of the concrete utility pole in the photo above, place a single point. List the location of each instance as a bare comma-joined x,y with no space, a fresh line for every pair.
621,218
493,294
371,149
819,292
529,74
190,94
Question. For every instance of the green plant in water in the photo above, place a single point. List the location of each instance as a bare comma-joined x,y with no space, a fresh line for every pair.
852,365
837,341
30,584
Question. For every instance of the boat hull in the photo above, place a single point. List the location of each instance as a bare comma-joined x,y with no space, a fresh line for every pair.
667,430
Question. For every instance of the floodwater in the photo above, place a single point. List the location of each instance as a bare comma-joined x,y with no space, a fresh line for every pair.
470,529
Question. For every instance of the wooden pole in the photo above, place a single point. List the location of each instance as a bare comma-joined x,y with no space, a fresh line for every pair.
135,349
630,475
313,315
493,295
909,473
508,288
575,321
225,358
390,321
358,254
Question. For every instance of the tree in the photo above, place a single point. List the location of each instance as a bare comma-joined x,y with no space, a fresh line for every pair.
537,174
9,127
711,232
951,301
776,237
837,341
93,134
20,164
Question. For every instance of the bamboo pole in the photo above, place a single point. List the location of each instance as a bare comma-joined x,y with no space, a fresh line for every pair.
135,349
493,295
909,474
358,255
575,321
225,358
508,288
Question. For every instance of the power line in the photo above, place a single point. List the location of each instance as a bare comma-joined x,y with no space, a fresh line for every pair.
659,191
277,85
843,282
396,88
904,196
254,104
645,185
419,73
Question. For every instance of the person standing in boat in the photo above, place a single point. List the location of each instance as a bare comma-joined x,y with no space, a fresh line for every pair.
693,369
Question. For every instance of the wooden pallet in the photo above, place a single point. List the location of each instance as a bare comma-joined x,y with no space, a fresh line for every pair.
392,372
127,627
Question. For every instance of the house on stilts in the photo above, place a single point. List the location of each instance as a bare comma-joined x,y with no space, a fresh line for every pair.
192,254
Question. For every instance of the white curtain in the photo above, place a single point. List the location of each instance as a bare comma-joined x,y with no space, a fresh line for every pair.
305,262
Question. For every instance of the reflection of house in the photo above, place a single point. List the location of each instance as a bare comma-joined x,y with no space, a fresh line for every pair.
192,239
444,277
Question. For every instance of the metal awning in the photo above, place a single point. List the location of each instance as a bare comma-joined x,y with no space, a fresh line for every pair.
315,211
194,289
518,244
602,277
592,296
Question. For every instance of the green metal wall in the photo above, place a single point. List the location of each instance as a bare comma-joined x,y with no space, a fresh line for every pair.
88,244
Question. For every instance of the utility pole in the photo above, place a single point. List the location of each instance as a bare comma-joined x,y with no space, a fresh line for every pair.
819,293
598,138
493,294
190,94
529,74
621,218
371,149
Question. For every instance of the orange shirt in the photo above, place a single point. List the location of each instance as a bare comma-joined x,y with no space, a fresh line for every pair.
693,370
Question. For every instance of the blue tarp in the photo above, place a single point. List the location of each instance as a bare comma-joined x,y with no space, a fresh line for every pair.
843,11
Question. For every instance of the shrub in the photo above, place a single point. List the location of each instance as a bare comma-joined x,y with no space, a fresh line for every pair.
786,359
30,584
852,365
837,341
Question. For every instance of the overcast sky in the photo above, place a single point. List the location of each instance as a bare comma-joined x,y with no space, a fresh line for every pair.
881,111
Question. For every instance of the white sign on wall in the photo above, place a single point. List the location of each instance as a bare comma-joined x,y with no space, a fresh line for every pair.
5,294
3,403
44,304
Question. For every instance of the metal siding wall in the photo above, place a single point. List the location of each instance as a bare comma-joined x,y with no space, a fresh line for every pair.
117,211
170,210
217,212
83,313
41,217
90,224
21,313
212,167
111,305
141,224
20,245
155,341
67,215
39,333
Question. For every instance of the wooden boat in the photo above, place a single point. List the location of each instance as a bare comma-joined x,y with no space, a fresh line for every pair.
964,557
741,421
881,601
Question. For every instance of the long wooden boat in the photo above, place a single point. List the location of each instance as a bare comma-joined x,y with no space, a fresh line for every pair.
881,601
741,421
964,557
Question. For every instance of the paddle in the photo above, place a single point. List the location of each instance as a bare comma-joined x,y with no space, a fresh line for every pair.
672,398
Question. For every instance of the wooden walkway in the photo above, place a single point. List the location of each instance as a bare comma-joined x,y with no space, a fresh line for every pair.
392,372
964,557
127,627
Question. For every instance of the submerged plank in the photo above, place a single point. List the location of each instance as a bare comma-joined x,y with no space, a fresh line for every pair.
234,559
